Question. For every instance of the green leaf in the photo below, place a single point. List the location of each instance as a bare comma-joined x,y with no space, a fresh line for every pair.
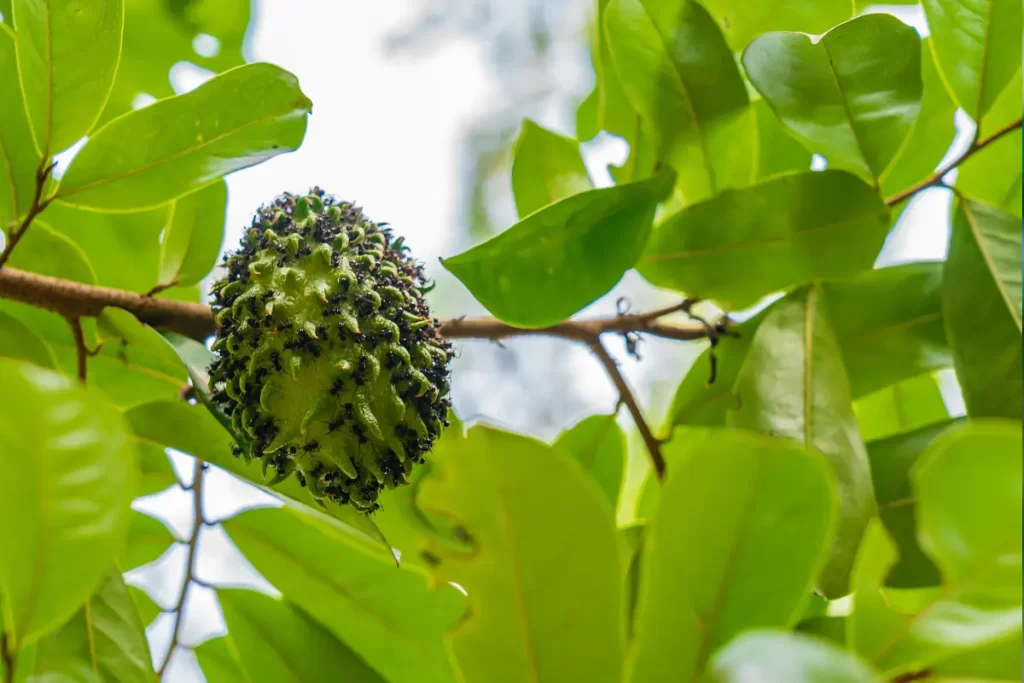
853,96
599,445
279,643
741,22
158,35
968,485
606,108
18,156
221,662
681,77
546,168
195,232
192,429
996,663
69,474
781,232
977,47
901,407
148,539
68,52
233,121
993,175
777,151
106,636
147,609
559,259
766,509
793,384
545,590
391,617
981,302
883,345
157,474
891,460
17,340
931,136
775,656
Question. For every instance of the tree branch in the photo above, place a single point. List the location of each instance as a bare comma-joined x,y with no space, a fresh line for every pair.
627,397
935,179
75,300
38,205
9,657
81,350
190,566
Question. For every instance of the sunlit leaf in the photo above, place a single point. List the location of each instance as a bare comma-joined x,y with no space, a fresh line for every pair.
598,444
900,408
194,235
546,168
18,156
993,175
767,656
17,340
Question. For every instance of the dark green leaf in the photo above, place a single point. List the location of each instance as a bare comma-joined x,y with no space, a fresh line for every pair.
793,384
891,460
598,444
977,46
981,303
771,656
741,21
828,627
279,643
766,509
106,636
968,486
18,156
70,471
901,407
192,429
556,261
784,231
148,539
681,77
68,51
157,474
235,120
853,96
17,340
546,168
931,136
545,591
390,616
195,232
777,151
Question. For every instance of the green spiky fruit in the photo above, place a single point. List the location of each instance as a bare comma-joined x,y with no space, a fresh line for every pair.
328,359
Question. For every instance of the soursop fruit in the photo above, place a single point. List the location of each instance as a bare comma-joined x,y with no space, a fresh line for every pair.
328,359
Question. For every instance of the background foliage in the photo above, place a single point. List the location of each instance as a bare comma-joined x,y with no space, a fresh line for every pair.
823,517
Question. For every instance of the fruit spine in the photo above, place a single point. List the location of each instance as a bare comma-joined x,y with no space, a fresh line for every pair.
328,360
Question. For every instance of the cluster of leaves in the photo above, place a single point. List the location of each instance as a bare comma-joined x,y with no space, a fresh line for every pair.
823,518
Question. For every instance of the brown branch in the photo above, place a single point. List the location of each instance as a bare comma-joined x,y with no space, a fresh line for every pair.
38,205
190,566
74,299
627,397
81,349
935,179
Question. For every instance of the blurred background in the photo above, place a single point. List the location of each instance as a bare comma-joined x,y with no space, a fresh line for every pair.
416,106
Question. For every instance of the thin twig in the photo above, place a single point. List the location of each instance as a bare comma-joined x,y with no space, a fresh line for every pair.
9,658
935,179
190,566
627,397
37,207
81,349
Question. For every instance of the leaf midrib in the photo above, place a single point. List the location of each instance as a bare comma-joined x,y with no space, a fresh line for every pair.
989,263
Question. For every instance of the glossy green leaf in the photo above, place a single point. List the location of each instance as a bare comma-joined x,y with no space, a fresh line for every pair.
18,156
17,340
106,637
680,76
968,485
235,120
766,509
148,539
221,662
195,232
545,169
556,261
891,460
68,52
931,136
777,151
599,445
853,96
70,471
993,175
977,47
781,232
158,35
981,304
900,408
192,429
545,593
884,344
741,22
392,617
770,656
279,643
793,384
